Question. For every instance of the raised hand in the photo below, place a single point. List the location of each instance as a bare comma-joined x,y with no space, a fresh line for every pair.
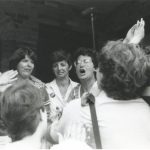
136,33
8,77
52,131
84,99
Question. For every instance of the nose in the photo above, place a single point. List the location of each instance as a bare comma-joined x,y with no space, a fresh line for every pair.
59,67
30,64
82,63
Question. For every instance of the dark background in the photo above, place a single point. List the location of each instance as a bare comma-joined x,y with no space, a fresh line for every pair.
47,25
52,38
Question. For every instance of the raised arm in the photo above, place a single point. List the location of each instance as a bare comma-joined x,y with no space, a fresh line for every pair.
7,78
136,33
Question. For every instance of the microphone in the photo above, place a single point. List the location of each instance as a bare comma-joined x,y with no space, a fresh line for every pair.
88,11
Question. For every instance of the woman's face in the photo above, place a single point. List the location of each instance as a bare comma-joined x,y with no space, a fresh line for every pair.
84,67
25,67
61,69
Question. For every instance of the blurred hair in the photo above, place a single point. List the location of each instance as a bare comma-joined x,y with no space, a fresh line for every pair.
60,55
20,54
20,110
86,52
124,68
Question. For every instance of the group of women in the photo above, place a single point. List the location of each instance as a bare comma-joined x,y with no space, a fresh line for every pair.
33,113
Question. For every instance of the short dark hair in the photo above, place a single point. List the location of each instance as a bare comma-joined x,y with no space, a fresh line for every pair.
124,68
20,109
20,54
60,55
87,52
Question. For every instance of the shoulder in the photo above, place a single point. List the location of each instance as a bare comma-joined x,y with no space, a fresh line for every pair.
50,87
77,87
95,89
71,144
136,104
41,86
73,83
50,84
11,146
75,92
37,82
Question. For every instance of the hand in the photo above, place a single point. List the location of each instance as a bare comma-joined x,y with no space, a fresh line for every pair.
84,99
4,87
8,77
136,33
53,131
75,131
56,112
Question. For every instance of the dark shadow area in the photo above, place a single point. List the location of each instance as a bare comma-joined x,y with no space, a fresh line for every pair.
53,38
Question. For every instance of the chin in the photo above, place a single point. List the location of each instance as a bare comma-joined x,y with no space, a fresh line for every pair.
83,77
61,77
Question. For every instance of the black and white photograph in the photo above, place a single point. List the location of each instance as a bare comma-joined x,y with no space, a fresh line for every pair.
74,74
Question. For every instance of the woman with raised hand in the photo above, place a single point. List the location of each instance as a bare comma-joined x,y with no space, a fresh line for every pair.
23,60
122,114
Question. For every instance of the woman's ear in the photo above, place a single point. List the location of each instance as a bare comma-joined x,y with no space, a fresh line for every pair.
70,67
75,64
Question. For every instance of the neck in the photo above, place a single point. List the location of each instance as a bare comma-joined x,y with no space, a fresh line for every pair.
146,91
87,84
63,81
21,78
34,140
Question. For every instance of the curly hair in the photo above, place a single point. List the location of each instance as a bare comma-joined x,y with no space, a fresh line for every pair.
60,55
20,54
86,52
124,68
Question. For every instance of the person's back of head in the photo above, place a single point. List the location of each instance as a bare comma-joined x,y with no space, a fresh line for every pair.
124,68
20,110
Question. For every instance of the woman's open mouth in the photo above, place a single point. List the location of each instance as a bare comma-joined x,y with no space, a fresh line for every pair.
28,70
82,71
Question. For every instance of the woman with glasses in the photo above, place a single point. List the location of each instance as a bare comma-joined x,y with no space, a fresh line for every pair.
85,62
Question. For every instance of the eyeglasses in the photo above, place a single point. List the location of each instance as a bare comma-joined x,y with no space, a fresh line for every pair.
84,61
